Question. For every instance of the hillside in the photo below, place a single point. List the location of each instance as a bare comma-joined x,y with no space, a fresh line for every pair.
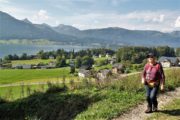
12,28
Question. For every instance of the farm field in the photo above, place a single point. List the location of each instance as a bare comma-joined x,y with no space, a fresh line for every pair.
8,76
33,61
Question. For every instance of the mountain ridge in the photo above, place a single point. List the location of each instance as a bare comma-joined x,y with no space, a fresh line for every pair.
12,28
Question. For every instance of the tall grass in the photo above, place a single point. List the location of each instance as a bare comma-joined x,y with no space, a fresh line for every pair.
13,75
95,101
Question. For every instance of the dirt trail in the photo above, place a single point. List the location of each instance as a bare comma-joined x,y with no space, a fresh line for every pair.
137,113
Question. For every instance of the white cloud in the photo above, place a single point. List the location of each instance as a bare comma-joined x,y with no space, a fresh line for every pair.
40,16
159,19
4,1
117,2
143,20
177,22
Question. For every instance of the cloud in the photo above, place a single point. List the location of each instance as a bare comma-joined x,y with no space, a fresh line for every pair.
142,20
117,2
177,22
159,19
4,1
40,16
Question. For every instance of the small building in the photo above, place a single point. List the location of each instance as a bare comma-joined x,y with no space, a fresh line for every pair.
71,62
84,73
111,61
85,67
44,67
17,66
26,66
52,64
107,55
21,66
51,57
169,61
117,68
103,74
95,56
179,61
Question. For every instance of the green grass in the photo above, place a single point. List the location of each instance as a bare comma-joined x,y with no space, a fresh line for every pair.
108,66
95,101
120,96
8,76
169,112
99,59
33,61
16,92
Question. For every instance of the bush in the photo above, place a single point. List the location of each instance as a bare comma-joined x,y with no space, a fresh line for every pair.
2,101
52,88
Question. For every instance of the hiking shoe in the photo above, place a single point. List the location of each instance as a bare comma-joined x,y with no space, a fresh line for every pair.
155,109
149,110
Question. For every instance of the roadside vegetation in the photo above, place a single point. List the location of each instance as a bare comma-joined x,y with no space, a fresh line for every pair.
85,100
169,112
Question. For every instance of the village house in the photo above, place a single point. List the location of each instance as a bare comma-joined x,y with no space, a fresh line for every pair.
111,61
84,73
52,64
179,61
72,62
21,66
117,68
107,55
51,57
169,61
95,56
103,74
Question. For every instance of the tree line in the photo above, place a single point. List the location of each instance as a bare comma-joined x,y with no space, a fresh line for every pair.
138,54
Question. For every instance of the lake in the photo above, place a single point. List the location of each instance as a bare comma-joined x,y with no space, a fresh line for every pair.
6,49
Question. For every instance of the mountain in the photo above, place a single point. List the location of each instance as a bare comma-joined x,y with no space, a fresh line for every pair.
12,28
27,21
67,29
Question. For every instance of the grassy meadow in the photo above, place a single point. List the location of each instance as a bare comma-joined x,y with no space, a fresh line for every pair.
83,101
8,76
33,61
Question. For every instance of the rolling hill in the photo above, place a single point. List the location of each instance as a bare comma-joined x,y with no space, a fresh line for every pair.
12,28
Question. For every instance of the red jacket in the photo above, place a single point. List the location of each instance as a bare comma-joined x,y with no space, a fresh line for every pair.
153,73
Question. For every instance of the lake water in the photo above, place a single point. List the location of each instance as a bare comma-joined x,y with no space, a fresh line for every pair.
6,49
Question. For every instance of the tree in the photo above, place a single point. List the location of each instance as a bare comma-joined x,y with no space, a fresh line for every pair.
178,52
8,58
23,56
60,61
43,55
89,61
72,69
78,62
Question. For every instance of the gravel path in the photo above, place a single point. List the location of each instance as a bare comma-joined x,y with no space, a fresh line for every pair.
137,113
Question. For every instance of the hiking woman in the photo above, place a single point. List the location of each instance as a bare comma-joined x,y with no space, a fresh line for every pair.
152,77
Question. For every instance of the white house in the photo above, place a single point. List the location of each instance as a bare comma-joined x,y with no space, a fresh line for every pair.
84,73
51,57
169,61
26,66
103,74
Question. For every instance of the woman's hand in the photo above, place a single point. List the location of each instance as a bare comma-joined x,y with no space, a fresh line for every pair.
162,87
143,81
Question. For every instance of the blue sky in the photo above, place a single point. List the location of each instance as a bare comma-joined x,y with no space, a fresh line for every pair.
162,15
